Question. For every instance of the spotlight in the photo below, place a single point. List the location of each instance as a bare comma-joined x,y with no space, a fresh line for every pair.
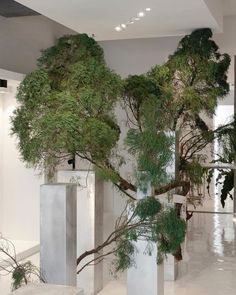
141,14
118,28
123,26
148,9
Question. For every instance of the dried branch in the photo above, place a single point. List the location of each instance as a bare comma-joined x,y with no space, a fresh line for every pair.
10,265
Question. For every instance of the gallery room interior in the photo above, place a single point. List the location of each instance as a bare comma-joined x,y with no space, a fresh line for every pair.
117,147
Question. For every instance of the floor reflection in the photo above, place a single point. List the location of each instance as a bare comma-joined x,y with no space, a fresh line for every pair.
209,260
209,265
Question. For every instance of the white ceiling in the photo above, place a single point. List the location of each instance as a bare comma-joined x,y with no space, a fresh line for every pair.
100,17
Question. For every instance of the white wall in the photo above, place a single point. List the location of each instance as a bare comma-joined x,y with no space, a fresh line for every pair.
227,41
19,186
22,39
216,7
139,55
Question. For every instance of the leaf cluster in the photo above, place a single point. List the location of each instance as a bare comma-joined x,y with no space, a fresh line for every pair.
161,229
66,105
226,137
199,72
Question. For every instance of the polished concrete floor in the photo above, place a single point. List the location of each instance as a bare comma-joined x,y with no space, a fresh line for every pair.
209,265
209,257
209,261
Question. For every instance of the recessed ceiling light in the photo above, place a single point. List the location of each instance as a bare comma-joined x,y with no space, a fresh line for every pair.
132,20
118,28
141,14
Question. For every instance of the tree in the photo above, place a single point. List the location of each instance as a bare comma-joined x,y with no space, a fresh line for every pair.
67,109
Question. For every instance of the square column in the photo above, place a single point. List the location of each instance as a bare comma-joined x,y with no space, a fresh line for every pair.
89,225
147,277
171,268
170,263
58,233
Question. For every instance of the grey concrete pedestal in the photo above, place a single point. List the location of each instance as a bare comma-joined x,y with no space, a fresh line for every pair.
89,225
147,277
170,263
58,233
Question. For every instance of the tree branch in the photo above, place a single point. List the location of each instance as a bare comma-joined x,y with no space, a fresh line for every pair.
172,185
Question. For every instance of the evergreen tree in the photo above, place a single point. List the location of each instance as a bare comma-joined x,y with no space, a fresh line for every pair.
67,109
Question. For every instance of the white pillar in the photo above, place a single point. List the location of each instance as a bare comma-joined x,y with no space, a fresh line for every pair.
171,268
89,225
147,277
171,264
58,233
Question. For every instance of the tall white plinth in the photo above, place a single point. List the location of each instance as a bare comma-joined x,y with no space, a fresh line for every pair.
146,277
171,264
58,233
171,268
89,225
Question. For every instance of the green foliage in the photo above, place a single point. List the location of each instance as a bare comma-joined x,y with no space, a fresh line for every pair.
58,60
228,186
226,137
23,274
18,277
66,108
107,174
147,98
225,178
124,255
227,142
66,105
200,73
147,147
171,231
147,208
195,171
149,222
173,95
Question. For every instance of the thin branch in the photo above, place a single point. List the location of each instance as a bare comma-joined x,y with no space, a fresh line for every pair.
100,258
172,185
